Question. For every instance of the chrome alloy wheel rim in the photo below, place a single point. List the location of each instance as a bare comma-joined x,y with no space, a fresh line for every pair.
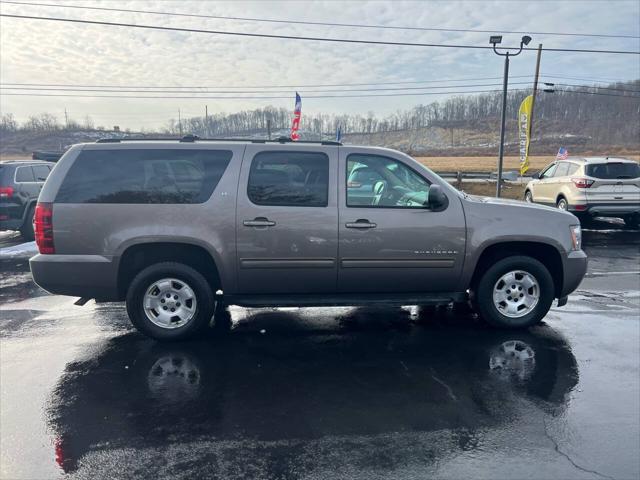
170,303
516,294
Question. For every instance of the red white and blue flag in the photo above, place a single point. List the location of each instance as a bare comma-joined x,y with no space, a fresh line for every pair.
563,153
297,113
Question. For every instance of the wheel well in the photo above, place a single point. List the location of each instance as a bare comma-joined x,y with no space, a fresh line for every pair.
561,195
138,257
546,254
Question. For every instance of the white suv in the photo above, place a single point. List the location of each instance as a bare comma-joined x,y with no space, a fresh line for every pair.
590,187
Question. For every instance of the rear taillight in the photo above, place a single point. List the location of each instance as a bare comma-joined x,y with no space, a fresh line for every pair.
582,182
6,192
43,227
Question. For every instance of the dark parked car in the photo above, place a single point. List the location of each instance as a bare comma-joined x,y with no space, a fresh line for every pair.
20,185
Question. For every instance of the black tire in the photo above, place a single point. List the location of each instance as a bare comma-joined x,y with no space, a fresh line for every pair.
483,296
528,196
205,301
562,204
632,221
27,227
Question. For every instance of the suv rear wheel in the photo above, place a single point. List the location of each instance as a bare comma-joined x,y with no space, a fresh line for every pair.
170,301
514,292
562,204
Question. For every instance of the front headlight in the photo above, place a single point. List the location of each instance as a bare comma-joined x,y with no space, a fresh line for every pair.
576,236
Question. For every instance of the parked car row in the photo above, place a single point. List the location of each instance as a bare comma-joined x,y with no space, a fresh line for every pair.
20,185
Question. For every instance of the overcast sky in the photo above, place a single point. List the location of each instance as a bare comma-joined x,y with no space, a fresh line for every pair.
34,51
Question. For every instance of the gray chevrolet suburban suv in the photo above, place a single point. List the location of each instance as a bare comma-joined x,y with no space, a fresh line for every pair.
179,228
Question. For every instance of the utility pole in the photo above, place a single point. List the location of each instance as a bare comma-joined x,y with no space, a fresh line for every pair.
206,120
495,40
179,123
535,91
269,128
66,118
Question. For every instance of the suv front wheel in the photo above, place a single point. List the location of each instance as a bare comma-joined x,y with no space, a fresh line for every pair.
514,292
170,301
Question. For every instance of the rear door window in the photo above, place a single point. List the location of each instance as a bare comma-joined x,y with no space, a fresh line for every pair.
24,174
41,172
144,176
295,179
573,168
562,170
613,170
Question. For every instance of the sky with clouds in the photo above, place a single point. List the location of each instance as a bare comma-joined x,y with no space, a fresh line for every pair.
34,51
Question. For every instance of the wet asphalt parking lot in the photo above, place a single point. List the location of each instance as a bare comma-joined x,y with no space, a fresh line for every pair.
348,393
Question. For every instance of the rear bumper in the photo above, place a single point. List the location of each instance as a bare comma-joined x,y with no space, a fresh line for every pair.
91,276
574,268
11,224
10,216
610,209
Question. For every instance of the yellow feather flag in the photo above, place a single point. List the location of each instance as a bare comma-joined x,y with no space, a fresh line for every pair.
524,124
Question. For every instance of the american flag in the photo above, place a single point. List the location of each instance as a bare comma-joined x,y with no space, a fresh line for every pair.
297,112
563,153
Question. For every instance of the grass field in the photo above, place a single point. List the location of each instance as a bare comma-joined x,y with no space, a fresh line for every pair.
486,164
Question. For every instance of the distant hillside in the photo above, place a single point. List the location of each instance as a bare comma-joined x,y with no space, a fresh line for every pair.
584,119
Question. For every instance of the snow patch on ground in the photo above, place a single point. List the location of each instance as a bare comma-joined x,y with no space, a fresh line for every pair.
23,250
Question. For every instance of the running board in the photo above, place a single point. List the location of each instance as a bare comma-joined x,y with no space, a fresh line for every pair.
345,300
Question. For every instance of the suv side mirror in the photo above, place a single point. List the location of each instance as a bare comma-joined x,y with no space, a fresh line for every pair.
437,199
536,176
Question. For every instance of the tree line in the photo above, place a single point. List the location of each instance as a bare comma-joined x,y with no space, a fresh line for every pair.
609,115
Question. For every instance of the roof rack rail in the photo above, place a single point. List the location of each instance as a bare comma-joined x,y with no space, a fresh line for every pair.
194,138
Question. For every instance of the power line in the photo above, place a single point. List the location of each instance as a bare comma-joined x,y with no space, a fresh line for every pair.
298,86
591,86
582,79
138,90
251,97
267,86
594,93
329,24
296,37
415,94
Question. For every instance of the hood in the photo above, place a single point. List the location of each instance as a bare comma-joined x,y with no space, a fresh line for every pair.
520,204
514,203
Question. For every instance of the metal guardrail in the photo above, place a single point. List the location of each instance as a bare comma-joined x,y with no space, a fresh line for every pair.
510,175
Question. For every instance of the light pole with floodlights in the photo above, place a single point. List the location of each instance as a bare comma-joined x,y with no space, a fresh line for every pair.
495,40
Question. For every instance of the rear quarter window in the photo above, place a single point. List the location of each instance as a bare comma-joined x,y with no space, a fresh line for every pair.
174,176
24,174
613,170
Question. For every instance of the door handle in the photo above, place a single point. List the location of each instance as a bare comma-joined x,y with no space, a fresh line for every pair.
259,222
360,223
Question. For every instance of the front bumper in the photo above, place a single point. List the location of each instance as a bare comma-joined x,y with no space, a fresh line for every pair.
90,276
574,268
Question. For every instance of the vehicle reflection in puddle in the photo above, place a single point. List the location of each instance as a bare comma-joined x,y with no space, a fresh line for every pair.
356,376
